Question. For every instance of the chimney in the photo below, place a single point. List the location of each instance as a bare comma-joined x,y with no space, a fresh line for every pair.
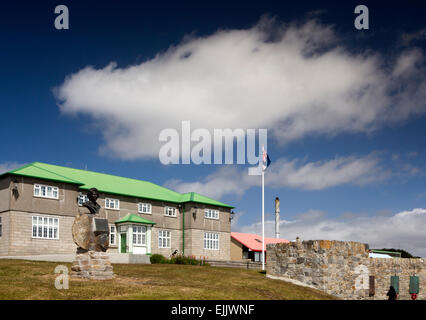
277,218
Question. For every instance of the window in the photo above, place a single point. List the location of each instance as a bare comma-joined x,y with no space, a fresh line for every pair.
170,211
82,198
257,256
112,235
112,204
46,191
144,207
45,227
211,241
164,239
139,235
1,227
211,214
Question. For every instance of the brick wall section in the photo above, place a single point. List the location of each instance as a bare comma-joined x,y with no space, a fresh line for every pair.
342,268
196,237
22,243
175,239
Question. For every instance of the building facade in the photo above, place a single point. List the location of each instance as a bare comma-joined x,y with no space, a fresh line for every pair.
248,246
38,203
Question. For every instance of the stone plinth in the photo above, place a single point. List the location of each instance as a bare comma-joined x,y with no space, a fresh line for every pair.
92,265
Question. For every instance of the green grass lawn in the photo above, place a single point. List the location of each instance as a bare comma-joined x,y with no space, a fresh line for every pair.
20,279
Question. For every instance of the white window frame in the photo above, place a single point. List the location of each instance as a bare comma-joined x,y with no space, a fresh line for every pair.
211,241
112,235
164,239
211,214
144,207
116,204
167,213
82,198
45,227
39,189
139,235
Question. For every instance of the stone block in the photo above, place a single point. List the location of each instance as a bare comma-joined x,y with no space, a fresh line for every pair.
92,265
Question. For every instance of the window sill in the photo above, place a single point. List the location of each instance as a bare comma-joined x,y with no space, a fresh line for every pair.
41,197
36,238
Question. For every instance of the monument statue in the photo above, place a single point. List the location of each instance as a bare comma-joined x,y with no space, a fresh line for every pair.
91,235
91,204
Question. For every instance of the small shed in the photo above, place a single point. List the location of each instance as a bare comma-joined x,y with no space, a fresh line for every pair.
248,246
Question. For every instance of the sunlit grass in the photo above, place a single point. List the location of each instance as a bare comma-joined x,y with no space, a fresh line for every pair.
21,279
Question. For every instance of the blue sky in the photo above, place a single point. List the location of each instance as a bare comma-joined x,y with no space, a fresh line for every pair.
350,166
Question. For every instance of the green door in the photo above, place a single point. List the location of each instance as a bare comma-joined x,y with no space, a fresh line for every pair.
123,243
395,283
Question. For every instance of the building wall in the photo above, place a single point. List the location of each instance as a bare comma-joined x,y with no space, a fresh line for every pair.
236,249
4,239
342,268
22,242
194,218
196,239
176,242
4,194
17,224
66,205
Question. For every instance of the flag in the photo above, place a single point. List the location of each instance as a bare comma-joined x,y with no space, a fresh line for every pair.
266,160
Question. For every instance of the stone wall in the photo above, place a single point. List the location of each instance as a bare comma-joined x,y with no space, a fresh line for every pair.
342,268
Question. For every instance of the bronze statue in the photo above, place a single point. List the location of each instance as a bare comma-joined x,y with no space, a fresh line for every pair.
91,233
91,204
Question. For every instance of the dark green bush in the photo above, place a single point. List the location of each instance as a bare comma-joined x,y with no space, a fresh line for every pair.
179,259
158,258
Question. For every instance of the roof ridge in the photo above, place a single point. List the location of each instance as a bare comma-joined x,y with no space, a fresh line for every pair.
58,174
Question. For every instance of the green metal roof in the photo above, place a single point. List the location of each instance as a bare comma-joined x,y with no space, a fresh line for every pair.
110,184
195,197
133,218
34,171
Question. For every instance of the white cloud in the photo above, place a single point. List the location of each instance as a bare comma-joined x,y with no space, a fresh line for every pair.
10,165
295,174
404,230
325,174
293,79
227,180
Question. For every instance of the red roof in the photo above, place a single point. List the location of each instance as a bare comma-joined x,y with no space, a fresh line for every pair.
253,241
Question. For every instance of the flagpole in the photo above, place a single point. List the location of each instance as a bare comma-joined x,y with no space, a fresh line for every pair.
263,220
